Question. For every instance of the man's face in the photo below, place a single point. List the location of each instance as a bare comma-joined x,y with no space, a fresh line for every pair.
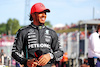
40,17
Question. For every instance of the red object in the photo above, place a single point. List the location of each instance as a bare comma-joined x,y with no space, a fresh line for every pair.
38,7
36,54
65,57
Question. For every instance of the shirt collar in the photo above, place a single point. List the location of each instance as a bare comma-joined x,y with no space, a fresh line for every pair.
39,27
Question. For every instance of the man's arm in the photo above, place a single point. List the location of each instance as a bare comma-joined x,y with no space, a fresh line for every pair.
56,47
17,48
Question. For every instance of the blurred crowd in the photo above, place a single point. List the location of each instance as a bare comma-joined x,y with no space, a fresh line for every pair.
4,59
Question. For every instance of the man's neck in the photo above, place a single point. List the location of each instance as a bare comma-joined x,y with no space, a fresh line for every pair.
37,23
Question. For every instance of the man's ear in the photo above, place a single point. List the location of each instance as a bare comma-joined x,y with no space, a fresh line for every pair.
33,15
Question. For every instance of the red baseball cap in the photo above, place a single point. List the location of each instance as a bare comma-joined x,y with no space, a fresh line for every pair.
38,7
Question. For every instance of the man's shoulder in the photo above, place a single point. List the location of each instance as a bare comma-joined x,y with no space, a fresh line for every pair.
24,28
95,33
50,29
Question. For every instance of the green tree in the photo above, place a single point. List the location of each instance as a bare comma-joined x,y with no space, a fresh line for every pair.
3,28
47,23
12,26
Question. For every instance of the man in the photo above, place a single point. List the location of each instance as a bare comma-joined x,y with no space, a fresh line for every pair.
39,43
94,48
2,52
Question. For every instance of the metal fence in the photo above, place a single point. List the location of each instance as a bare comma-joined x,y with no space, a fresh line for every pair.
76,47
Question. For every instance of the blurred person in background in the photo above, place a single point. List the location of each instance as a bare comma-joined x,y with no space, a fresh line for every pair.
94,48
2,52
64,60
39,43
3,57
89,33
0,61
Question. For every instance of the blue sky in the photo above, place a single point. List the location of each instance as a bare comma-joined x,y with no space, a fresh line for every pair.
62,11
